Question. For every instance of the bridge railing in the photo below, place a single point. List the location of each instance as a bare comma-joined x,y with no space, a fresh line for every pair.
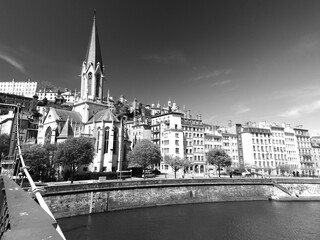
34,188
22,217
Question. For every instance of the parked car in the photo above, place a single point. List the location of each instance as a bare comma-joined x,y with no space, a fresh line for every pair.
148,174
237,172
156,172
254,174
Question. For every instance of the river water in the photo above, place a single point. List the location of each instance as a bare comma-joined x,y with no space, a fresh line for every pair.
263,220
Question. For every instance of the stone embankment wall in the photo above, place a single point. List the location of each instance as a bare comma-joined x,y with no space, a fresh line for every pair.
78,199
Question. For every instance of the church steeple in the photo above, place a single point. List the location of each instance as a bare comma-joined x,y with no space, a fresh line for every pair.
93,52
92,68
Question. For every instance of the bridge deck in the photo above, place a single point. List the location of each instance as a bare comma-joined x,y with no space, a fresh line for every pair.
27,219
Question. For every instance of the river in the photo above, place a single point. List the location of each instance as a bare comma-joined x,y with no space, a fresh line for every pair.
265,220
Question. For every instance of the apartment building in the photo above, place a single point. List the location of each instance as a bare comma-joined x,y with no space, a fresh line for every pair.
304,148
230,145
26,88
167,132
51,94
194,136
279,146
291,146
257,149
315,154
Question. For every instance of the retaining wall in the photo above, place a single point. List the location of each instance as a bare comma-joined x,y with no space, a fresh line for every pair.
85,198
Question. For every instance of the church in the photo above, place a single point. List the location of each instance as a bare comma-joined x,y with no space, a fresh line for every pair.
90,116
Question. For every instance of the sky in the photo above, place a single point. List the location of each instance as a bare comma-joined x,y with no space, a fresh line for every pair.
238,60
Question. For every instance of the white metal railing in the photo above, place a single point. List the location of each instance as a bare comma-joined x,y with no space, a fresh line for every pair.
34,188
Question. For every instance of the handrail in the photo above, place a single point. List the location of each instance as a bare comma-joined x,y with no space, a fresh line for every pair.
34,188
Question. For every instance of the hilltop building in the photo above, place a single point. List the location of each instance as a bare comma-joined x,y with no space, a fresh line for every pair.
26,89
51,94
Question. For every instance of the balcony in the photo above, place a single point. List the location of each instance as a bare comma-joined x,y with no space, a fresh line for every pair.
307,161
155,130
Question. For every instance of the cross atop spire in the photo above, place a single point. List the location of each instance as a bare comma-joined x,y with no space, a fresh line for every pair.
94,53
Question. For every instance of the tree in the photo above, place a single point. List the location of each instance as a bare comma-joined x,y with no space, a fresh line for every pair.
175,163
144,155
4,144
37,158
219,158
75,152
284,168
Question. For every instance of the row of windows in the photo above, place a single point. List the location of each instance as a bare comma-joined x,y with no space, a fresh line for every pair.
261,135
196,158
199,135
305,151
303,139
268,164
306,145
289,139
194,129
269,156
166,150
276,134
3,84
229,138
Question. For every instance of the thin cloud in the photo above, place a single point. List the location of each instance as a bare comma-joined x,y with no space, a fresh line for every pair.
301,110
224,82
214,74
307,44
298,93
168,58
6,54
241,109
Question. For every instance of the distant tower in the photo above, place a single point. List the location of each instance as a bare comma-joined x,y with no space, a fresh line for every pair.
92,68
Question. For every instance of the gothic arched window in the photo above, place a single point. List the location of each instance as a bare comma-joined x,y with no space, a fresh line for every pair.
115,140
89,82
47,136
97,84
98,140
106,140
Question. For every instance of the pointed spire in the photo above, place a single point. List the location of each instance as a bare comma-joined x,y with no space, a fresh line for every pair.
94,52
67,130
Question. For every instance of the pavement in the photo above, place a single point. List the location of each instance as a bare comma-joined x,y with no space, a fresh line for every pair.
167,176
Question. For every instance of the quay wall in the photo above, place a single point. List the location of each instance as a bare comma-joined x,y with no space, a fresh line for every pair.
86,198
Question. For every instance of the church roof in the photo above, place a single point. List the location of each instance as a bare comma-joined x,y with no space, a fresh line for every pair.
63,115
104,115
93,52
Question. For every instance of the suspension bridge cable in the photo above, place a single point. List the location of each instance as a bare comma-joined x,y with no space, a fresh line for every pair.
34,188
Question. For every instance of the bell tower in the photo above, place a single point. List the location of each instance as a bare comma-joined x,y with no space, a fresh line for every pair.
92,68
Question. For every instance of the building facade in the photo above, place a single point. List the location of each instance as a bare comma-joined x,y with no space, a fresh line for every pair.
26,89
51,95
304,148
